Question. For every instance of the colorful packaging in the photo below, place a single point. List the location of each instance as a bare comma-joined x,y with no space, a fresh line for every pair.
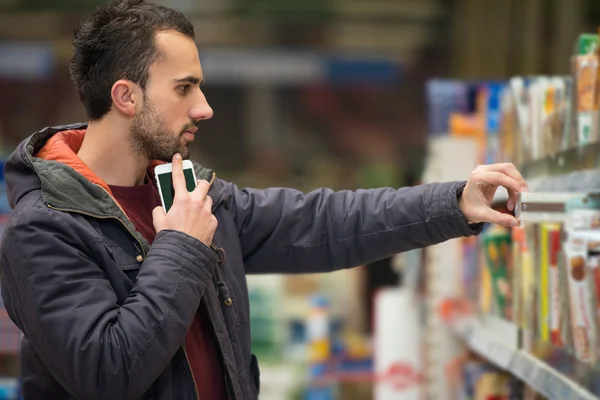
566,335
492,126
493,386
547,116
520,97
518,243
569,134
497,250
548,278
582,230
555,295
508,127
586,43
582,310
529,286
585,77
556,119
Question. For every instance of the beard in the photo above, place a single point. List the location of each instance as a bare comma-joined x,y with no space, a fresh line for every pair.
151,138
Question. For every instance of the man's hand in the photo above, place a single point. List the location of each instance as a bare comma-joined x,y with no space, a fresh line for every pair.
191,212
476,199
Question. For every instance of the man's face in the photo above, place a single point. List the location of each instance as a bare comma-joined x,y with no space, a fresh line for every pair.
173,102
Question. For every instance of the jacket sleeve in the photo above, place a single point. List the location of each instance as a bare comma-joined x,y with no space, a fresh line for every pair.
64,304
286,231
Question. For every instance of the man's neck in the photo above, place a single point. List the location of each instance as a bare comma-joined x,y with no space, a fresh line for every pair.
106,151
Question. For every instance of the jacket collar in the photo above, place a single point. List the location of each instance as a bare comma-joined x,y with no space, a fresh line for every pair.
68,184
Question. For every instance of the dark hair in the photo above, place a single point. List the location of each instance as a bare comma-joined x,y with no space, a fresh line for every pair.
118,42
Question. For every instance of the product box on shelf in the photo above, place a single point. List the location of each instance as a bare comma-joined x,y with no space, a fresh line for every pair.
531,281
497,250
470,272
493,112
585,75
518,238
483,381
552,237
582,248
548,280
585,65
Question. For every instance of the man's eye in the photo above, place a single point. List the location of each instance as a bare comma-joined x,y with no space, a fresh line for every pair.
184,89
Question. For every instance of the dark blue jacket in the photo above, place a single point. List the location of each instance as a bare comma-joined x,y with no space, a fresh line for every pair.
104,314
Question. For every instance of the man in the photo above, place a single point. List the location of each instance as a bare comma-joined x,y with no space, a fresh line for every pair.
118,300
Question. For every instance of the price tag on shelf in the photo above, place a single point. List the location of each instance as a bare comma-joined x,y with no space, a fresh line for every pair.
501,354
490,349
547,381
553,387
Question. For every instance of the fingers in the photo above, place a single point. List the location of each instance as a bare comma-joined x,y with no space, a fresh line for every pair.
202,188
178,177
509,170
158,218
208,203
498,218
500,179
512,200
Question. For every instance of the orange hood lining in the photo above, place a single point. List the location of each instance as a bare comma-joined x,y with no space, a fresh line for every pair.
64,146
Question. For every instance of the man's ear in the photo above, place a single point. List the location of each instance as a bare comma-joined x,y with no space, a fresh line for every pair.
124,97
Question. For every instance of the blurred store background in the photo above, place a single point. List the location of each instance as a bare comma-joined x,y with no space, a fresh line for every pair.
310,93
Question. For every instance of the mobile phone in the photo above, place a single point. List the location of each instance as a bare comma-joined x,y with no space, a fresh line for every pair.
164,181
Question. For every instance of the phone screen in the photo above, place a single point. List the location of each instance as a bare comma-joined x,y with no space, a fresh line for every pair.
166,186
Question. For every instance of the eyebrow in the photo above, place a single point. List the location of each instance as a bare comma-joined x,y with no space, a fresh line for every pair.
194,80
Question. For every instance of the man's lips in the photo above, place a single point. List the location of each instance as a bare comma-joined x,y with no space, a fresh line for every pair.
190,133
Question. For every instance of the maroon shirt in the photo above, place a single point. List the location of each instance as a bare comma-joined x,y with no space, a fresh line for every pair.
200,343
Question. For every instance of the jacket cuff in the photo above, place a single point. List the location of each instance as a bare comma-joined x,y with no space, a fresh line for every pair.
458,226
186,251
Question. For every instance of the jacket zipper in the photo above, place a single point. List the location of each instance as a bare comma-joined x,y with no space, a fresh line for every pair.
189,364
212,247
143,252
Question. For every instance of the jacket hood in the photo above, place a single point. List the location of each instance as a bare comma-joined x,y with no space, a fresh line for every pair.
48,161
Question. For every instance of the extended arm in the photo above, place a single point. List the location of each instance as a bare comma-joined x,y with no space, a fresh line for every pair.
284,230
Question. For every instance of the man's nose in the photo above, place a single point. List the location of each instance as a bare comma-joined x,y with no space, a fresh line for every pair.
201,110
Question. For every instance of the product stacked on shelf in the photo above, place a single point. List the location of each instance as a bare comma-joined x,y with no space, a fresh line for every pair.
526,118
534,291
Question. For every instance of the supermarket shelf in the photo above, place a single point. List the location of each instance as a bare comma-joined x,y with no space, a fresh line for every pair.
565,162
579,181
572,170
491,344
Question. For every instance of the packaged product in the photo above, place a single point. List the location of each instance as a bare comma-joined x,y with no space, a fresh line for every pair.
556,119
492,126
566,335
586,43
548,279
547,118
471,263
497,250
508,127
529,285
518,243
569,126
580,294
536,91
555,297
585,67
582,245
520,97
493,385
